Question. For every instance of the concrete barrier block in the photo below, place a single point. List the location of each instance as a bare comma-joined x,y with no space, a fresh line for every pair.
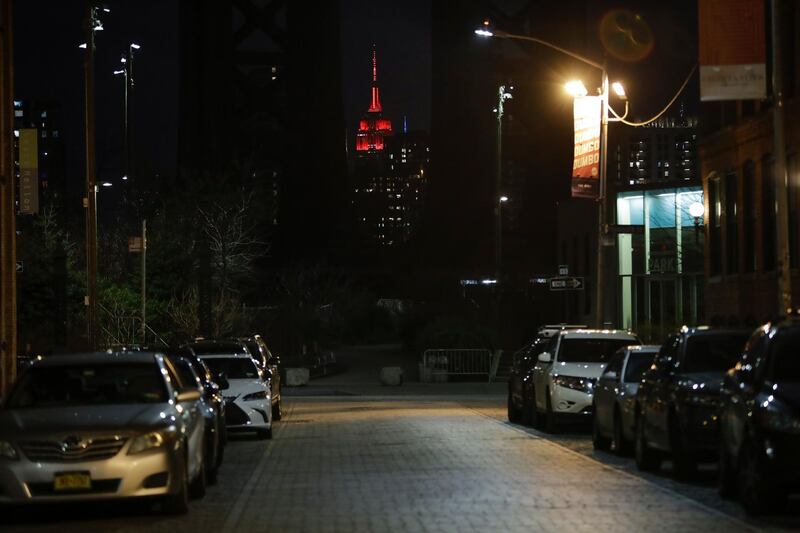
391,376
297,377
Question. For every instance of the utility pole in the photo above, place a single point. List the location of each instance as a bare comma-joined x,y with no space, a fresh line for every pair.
781,176
602,205
144,282
90,201
8,245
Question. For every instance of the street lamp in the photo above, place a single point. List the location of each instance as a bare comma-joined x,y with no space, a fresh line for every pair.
697,210
577,88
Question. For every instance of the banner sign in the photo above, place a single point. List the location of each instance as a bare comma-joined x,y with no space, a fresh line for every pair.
28,171
586,164
732,50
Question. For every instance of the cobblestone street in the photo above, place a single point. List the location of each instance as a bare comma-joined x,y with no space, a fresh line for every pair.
414,464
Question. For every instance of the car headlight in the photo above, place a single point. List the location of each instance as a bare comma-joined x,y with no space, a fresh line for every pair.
7,451
575,383
777,419
149,441
260,395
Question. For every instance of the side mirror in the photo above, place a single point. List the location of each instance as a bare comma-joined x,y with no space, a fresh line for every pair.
222,381
610,375
187,395
545,357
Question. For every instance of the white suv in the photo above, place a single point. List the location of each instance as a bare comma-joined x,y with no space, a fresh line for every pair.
566,372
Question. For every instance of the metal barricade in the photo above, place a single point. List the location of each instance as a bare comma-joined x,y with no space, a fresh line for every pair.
439,363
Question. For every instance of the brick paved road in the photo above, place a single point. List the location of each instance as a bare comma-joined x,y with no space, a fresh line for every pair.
409,464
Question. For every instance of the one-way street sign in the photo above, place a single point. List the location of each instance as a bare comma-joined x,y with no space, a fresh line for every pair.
570,283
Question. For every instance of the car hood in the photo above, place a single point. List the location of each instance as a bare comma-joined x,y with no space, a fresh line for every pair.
702,382
789,393
239,387
120,419
581,370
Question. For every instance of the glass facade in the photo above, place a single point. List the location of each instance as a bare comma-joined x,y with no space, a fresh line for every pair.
661,267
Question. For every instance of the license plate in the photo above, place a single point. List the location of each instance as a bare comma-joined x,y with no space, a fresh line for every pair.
72,481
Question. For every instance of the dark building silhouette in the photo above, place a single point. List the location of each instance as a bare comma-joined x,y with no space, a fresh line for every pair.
261,106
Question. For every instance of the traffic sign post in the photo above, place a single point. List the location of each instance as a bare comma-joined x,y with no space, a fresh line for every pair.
566,283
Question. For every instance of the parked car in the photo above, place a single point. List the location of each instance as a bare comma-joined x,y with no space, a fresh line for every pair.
760,420
248,399
678,401
101,426
520,382
615,398
268,360
192,371
566,372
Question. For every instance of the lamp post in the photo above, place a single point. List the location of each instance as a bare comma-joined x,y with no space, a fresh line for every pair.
502,96
92,24
487,31
696,211
499,237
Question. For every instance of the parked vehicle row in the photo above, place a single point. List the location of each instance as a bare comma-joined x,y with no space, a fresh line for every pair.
132,422
704,395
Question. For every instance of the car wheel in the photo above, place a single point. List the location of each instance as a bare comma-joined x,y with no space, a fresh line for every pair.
178,503
726,478
277,412
550,417
621,445
756,492
212,461
684,464
647,459
265,433
197,487
513,412
599,441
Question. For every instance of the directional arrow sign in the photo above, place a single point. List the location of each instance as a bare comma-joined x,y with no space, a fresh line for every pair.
566,284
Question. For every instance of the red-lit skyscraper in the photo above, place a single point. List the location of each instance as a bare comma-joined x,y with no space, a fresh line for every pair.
389,174
373,128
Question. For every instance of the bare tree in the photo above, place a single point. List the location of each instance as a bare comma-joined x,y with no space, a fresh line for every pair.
231,242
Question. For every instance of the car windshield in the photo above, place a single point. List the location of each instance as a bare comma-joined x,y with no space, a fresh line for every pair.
638,363
713,353
590,350
89,384
786,358
233,367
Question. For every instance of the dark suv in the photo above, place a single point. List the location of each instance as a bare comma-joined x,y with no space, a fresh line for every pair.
678,401
520,382
760,419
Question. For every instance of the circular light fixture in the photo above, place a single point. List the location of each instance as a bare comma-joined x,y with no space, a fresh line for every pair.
697,210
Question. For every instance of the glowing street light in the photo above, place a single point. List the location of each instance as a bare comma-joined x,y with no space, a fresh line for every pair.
503,199
576,88
618,89
697,210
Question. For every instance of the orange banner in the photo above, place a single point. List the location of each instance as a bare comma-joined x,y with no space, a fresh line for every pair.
586,162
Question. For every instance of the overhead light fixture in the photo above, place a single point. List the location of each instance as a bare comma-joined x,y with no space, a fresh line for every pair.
135,46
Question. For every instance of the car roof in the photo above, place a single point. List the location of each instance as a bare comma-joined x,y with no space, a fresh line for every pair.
237,355
210,347
644,348
714,331
111,357
598,334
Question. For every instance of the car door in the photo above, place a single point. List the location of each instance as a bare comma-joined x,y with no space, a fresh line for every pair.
605,393
541,371
652,391
740,391
191,412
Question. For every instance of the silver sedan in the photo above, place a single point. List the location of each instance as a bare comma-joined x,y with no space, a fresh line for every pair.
98,426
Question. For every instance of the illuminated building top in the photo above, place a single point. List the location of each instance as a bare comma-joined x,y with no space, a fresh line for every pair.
372,128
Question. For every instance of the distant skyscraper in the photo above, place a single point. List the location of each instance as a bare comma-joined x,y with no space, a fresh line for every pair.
389,174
